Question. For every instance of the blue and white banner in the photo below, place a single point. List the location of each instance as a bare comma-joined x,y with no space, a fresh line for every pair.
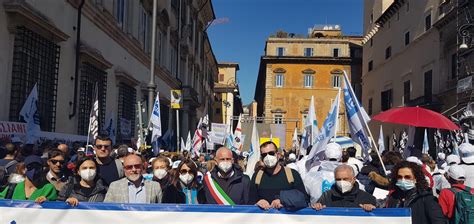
30,114
357,118
155,119
20,212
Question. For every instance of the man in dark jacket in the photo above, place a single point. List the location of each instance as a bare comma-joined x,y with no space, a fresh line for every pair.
234,184
346,192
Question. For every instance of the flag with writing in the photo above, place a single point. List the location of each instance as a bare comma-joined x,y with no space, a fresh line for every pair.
237,138
155,119
30,114
254,151
310,131
94,117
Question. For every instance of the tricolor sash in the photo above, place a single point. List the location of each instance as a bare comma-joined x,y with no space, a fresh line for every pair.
217,193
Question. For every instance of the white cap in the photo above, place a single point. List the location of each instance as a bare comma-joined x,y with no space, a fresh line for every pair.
441,156
176,164
292,157
467,152
456,172
453,159
413,159
333,151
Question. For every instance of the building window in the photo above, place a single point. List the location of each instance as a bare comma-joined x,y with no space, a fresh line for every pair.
91,77
371,20
370,106
221,77
121,11
428,22
279,80
407,38
35,61
388,52
336,81
408,6
308,81
335,52
126,112
144,31
386,100
454,68
406,92
428,85
371,65
278,118
371,42
308,52
280,51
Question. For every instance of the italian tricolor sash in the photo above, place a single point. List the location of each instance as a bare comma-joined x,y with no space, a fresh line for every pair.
216,191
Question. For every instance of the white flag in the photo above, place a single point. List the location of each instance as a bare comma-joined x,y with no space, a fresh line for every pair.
310,131
111,126
183,145
381,142
294,140
237,138
155,119
426,145
328,131
94,117
254,152
188,144
30,114
197,140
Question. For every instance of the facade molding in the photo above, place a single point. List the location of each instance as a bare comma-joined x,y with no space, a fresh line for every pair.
94,56
122,76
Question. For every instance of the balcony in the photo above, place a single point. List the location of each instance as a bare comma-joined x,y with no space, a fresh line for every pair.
190,96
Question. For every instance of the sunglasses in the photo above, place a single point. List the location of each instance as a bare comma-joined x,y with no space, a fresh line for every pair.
53,161
185,171
272,153
102,146
136,166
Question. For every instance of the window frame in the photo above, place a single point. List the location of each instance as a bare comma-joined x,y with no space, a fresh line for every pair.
279,80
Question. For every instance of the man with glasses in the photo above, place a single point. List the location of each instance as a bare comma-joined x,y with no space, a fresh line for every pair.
56,163
109,169
234,184
267,183
134,188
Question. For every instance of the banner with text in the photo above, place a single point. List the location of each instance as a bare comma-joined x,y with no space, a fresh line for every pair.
20,212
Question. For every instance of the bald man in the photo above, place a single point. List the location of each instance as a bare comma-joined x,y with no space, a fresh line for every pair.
231,180
64,148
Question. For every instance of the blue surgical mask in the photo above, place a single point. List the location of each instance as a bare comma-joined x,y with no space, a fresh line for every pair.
405,185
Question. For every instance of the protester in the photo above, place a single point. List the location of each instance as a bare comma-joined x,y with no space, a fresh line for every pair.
320,178
65,149
85,185
467,157
35,186
56,164
351,151
133,188
185,187
234,184
346,192
109,169
452,160
409,189
8,164
447,200
161,166
268,183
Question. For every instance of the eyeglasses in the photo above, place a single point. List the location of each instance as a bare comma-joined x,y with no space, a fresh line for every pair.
53,161
136,166
272,153
102,146
183,171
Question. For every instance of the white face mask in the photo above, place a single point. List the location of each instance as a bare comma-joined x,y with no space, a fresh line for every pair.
270,161
225,166
87,174
186,178
344,186
160,173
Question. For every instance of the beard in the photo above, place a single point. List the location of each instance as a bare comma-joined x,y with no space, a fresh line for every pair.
134,177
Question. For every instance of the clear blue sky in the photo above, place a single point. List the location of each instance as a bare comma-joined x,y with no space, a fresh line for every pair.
242,26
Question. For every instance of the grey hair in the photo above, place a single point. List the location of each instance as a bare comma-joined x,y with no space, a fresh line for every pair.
344,167
222,149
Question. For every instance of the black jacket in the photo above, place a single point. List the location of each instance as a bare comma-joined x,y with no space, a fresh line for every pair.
237,187
73,189
175,195
424,206
351,199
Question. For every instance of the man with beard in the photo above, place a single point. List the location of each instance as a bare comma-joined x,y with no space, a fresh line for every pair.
35,187
133,188
267,183
234,184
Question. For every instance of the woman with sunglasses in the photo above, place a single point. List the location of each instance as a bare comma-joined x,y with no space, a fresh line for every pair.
409,189
184,187
35,187
85,185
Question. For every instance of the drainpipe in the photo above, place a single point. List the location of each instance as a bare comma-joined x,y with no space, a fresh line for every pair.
76,69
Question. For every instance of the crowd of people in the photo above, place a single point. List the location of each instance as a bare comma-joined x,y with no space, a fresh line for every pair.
437,190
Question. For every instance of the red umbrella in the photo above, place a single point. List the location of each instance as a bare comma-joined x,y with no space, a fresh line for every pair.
417,117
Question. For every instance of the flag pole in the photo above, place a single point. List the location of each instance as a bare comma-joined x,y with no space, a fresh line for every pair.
337,114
